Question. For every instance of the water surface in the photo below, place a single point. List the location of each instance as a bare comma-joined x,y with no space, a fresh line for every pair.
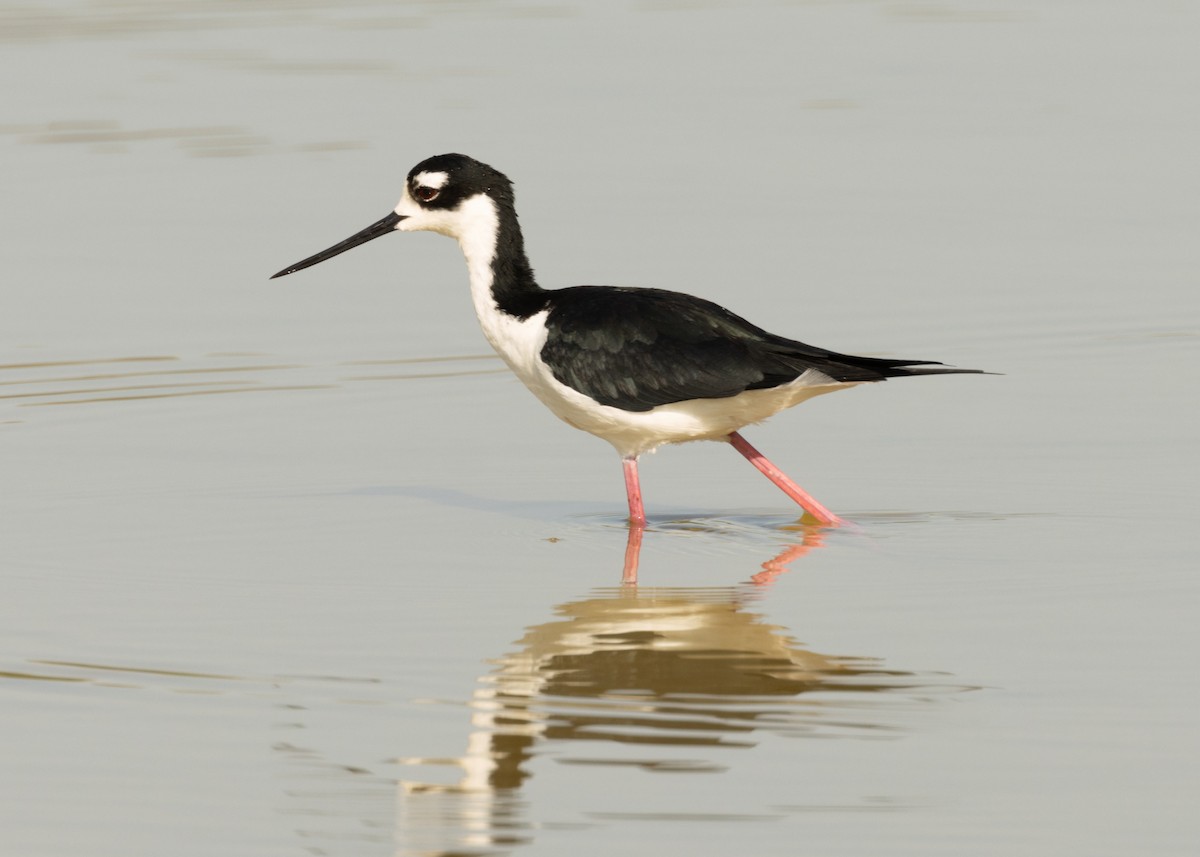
295,567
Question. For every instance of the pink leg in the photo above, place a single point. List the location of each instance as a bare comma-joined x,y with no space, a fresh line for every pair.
633,550
823,515
637,515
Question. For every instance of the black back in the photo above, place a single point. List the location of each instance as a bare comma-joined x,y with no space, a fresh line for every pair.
636,349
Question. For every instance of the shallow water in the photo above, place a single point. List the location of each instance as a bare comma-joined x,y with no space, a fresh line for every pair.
372,604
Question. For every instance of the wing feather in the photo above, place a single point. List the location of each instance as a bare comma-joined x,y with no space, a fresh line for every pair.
636,349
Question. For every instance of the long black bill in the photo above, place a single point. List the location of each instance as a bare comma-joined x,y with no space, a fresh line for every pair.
379,227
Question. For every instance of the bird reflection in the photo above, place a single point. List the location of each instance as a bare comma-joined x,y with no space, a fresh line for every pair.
812,536
653,678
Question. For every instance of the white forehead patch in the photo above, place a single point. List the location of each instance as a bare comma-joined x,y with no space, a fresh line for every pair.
435,180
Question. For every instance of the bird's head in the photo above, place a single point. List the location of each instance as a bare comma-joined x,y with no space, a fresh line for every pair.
451,194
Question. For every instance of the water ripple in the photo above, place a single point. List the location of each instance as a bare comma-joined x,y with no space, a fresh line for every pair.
143,377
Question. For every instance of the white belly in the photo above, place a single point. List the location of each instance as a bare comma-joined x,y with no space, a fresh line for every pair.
635,432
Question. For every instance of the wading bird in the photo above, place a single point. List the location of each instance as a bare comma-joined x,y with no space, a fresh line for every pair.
636,367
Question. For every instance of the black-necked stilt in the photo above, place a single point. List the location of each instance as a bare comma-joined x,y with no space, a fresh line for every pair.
636,367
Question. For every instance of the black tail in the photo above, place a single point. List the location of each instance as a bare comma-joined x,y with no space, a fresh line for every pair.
846,367
905,368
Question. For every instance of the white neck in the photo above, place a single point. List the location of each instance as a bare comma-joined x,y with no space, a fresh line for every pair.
475,224
479,227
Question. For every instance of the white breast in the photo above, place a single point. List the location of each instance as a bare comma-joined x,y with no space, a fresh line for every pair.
632,433
520,342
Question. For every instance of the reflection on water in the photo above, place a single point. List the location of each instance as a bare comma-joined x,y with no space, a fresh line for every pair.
809,535
625,682
658,680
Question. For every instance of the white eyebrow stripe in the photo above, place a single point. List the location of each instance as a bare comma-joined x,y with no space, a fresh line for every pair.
435,180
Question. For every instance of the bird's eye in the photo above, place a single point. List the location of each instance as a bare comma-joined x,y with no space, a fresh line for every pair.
425,194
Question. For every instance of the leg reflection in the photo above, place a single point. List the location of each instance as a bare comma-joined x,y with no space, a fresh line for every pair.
812,537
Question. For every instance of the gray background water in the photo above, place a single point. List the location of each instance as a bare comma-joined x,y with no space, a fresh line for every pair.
371,605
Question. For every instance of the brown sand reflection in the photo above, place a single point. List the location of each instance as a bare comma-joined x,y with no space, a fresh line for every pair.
663,680
625,682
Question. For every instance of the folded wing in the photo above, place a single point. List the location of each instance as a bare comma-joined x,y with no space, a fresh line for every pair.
636,349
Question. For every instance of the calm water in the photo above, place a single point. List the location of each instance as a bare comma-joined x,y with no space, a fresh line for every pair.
372,603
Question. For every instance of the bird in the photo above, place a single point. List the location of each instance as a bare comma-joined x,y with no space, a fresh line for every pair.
637,367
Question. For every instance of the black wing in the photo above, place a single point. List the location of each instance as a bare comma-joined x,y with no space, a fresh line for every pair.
636,349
